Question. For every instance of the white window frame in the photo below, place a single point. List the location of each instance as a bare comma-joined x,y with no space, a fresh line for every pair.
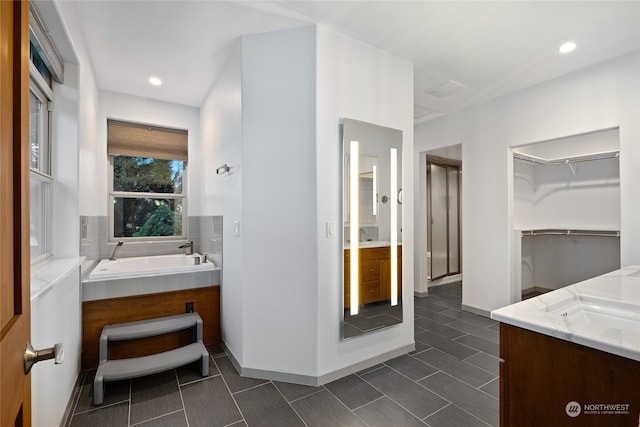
140,195
39,87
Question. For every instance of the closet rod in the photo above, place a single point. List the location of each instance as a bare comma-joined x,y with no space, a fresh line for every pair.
564,232
574,159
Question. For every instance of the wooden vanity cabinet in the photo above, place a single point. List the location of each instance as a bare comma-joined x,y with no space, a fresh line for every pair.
374,274
547,381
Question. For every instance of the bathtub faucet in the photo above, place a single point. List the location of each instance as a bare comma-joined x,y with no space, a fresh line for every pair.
188,247
115,250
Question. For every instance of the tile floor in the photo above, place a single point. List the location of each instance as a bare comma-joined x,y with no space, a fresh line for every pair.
451,379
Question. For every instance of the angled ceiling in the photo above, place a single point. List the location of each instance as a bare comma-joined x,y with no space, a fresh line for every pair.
464,52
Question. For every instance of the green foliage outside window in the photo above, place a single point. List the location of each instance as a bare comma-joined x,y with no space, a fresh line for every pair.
154,210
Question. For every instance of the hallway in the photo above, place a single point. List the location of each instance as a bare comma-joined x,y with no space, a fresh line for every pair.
451,379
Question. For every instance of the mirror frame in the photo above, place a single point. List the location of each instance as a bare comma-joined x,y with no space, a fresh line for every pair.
362,139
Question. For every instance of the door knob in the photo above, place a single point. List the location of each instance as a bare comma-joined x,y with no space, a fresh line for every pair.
32,356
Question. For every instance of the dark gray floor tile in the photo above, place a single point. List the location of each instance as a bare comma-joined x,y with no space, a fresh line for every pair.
470,317
292,392
430,304
433,315
353,391
420,346
348,331
368,324
450,303
209,403
238,424
216,350
495,326
416,399
323,409
456,367
472,400
153,396
264,406
480,344
486,362
474,329
453,416
176,419
372,368
114,392
191,372
411,367
234,380
439,328
384,413
110,416
453,348
493,388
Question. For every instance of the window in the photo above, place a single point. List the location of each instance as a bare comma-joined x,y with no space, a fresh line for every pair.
147,187
41,180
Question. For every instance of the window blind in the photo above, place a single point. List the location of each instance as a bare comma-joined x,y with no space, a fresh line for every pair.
137,140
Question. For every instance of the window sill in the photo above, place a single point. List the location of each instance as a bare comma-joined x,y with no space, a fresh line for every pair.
48,274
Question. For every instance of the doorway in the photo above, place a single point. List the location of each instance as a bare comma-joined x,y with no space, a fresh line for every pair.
443,217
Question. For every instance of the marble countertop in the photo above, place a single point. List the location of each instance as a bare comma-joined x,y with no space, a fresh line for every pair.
601,313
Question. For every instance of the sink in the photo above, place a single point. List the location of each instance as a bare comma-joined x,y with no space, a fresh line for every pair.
581,311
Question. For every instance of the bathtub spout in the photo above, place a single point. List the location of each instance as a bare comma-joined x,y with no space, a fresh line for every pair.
115,250
188,248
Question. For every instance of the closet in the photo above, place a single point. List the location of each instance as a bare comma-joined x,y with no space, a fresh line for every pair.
566,205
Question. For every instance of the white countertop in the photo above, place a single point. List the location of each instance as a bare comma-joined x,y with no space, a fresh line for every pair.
372,244
46,276
601,313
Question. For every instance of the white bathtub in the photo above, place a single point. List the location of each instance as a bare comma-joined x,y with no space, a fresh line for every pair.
146,275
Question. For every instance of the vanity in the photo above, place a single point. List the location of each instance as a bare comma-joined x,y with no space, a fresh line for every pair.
572,356
374,273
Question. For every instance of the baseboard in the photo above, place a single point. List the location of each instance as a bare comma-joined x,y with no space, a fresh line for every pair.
316,380
475,310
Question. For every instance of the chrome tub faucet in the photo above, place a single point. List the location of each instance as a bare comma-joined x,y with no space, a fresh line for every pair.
115,250
188,247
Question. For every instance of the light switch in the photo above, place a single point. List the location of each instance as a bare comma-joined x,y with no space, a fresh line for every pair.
331,230
236,228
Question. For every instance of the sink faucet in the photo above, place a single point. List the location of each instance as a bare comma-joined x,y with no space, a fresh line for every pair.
188,247
115,250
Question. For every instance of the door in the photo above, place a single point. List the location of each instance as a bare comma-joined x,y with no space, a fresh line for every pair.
443,183
15,386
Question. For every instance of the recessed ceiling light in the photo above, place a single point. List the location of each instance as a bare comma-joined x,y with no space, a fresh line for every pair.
155,81
567,47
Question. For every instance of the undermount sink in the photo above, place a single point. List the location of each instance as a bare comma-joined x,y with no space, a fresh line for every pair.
586,311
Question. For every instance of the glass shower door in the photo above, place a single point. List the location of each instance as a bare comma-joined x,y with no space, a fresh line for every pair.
444,214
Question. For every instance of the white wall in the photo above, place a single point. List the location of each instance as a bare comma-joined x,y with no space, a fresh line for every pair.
604,96
360,82
55,318
278,200
221,136
282,278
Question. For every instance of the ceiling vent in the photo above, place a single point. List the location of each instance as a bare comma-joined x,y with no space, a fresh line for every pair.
445,89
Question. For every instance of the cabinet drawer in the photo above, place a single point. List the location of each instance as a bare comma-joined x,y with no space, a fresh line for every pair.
370,292
370,270
376,253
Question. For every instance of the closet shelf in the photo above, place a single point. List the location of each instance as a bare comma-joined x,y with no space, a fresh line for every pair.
566,160
570,232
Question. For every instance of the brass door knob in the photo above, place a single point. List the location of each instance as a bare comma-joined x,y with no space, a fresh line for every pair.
31,356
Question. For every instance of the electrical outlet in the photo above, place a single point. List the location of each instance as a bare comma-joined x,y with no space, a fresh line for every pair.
188,307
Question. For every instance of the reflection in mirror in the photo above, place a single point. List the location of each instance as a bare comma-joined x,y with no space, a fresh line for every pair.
372,227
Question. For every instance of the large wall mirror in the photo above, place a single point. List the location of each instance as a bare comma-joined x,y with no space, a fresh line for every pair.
372,218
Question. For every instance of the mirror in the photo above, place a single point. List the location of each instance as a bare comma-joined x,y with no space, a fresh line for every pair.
372,216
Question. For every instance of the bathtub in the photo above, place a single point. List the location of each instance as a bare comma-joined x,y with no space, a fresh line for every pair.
146,275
